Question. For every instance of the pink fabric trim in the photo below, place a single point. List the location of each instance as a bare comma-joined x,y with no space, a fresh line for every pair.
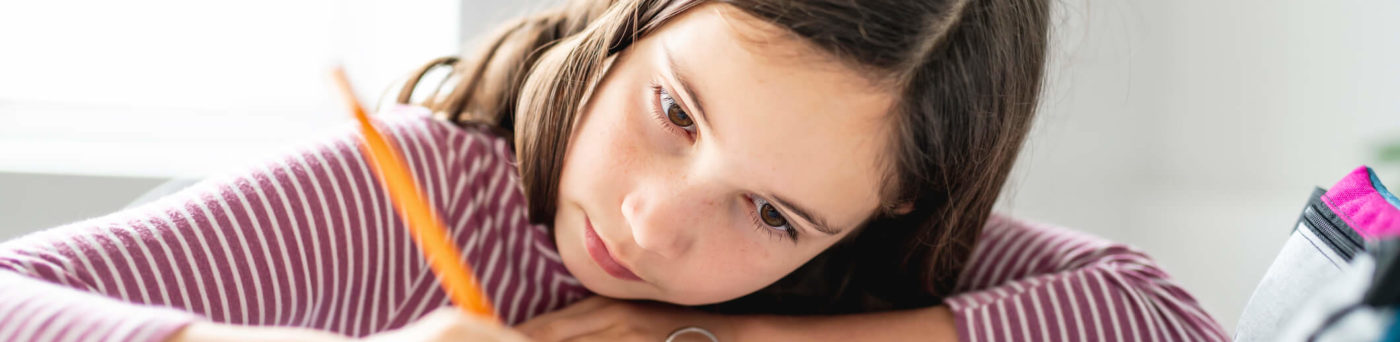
1358,203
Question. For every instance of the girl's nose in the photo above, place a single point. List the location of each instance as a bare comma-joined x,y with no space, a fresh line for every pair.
662,222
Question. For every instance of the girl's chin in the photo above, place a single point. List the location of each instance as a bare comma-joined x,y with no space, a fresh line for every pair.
595,279
600,283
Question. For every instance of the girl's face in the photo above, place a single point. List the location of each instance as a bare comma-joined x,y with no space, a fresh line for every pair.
719,154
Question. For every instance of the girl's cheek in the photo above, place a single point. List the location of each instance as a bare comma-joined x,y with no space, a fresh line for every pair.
723,274
612,135
625,143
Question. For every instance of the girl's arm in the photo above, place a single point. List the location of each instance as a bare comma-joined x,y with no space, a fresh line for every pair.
927,324
1031,282
1024,282
308,240
606,319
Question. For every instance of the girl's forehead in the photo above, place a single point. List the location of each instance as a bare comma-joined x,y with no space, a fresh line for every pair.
777,115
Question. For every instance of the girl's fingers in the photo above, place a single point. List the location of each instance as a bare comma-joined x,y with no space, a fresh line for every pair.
615,333
449,324
582,307
582,318
587,305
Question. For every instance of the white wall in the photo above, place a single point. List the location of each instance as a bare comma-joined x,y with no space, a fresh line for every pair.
30,202
1196,129
115,88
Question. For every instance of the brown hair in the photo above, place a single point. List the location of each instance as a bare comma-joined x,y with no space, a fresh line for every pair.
968,74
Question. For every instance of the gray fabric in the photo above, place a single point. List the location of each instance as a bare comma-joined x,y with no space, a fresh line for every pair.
1304,266
1340,292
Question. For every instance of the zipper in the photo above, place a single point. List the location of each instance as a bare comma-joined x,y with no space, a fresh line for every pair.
1324,223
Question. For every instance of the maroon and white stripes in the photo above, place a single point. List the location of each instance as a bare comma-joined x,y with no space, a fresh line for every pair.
310,240
1030,282
307,240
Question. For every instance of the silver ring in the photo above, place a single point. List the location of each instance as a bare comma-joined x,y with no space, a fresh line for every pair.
691,329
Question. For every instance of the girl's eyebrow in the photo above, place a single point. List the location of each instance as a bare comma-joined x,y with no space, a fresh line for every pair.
818,223
680,74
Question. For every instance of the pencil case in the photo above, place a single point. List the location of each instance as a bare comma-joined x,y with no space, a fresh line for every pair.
1336,226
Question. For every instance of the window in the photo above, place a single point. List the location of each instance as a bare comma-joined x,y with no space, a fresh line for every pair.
186,88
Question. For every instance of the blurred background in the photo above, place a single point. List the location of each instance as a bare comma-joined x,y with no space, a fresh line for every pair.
1193,129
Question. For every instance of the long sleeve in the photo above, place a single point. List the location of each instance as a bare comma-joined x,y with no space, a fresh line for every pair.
307,240
1029,282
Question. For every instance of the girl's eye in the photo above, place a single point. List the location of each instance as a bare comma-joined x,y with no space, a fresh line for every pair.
767,217
673,111
771,216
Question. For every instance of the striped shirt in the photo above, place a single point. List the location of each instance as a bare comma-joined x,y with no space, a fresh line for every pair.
1035,282
310,240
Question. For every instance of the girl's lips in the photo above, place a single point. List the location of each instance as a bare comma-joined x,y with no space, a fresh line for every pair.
599,251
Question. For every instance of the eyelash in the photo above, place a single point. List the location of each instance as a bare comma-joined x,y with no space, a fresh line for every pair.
787,231
658,113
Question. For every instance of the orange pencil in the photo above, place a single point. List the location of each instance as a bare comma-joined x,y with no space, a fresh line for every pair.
424,223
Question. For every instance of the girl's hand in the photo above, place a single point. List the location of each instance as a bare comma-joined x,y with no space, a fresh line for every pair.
605,319
449,324
205,331
445,324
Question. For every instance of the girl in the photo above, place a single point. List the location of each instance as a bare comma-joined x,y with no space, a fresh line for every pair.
742,165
